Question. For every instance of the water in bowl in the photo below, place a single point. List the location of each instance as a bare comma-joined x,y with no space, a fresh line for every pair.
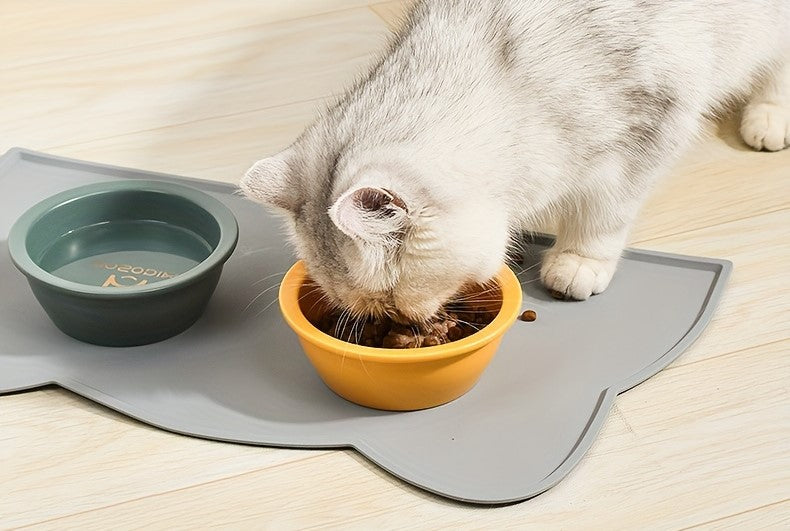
124,253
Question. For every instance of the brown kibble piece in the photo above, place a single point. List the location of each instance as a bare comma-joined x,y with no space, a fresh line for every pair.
399,341
455,333
529,316
432,341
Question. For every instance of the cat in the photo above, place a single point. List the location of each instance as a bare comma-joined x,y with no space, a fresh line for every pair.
484,117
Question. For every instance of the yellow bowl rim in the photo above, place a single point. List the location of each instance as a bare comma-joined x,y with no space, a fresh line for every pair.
289,306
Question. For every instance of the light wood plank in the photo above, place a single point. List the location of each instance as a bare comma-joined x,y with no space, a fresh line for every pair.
62,455
392,13
219,149
44,31
679,470
293,497
719,180
239,70
773,516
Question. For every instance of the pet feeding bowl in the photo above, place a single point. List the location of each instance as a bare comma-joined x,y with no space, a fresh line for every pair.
395,379
124,263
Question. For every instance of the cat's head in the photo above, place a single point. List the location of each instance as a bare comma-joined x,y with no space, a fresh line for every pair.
374,233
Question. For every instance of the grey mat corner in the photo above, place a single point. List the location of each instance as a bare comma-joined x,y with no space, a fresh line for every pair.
239,374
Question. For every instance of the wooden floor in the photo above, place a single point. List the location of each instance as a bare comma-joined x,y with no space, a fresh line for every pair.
203,88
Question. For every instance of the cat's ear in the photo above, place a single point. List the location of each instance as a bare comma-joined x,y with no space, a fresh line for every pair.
371,215
271,182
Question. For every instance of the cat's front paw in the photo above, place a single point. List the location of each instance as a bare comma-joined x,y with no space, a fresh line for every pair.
766,126
570,276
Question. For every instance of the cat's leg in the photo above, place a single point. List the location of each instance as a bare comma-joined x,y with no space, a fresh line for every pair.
595,222
766,118
596,219
590,238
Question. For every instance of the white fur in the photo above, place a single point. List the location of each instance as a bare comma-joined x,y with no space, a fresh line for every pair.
262,182
370,229
488,117
766,119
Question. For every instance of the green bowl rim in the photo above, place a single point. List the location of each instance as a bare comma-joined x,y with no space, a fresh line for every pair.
228,225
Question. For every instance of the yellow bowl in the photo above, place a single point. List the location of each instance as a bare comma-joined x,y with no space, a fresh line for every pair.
396,379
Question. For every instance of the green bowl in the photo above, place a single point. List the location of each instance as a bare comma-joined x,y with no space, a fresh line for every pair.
124,263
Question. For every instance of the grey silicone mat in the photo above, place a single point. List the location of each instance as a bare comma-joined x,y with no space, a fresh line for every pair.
239,374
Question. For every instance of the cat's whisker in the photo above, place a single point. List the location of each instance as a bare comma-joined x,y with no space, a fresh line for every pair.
311,291
474,312
362,363
343,354
341,322
466,303
476,326
528,268
362,322
473,297
360,327
268,277
321,299
350,320
475,293
272,303
349,329
337,323
307,294
259,295
471,301
416,331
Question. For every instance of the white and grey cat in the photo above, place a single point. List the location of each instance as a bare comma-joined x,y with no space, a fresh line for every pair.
485,116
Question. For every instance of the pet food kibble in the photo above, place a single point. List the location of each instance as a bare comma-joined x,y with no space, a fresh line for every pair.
463,321
455,333
399,341
432,340
529,316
